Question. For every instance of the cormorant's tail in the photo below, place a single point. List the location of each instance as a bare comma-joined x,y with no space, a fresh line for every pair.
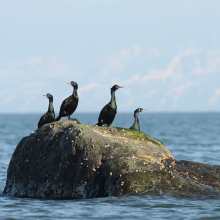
99,124
58,118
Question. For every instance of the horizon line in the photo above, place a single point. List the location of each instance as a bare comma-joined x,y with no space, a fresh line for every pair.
126,112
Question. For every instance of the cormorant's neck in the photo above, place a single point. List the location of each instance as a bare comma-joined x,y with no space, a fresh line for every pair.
136,115
50,108
136,124
113,99
75,94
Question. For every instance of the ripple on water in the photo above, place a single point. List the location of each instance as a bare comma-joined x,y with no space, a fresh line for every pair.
193,137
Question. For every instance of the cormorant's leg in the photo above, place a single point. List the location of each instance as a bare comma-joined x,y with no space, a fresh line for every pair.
74,119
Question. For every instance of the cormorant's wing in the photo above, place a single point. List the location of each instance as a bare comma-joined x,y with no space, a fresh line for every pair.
102,113
42,120
65,103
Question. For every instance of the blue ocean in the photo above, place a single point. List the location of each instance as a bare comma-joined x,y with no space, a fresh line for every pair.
188,136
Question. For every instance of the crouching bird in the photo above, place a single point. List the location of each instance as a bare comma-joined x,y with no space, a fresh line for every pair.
109,111
49,116
136,124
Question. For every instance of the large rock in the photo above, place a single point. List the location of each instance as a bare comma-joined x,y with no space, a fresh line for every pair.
68,159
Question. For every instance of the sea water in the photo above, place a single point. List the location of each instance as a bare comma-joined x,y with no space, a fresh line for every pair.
188,136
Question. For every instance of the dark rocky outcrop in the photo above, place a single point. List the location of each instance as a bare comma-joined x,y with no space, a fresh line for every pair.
68,159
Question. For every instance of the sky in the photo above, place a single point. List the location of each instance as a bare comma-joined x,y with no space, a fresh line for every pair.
166,54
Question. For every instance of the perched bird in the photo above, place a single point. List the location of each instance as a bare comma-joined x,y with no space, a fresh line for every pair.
69,104
136,124
49,116
109,111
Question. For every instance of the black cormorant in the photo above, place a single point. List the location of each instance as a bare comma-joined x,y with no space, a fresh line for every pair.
136,124
69,104
49,116
109,111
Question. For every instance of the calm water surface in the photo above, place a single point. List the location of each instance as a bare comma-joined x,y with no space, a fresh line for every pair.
188,136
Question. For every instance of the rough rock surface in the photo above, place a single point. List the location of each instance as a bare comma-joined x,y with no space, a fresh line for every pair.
68,159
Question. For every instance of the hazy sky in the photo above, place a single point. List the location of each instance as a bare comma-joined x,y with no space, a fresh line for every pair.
166,54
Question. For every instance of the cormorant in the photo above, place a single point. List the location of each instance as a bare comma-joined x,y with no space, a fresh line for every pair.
49,116
136,124
109,111
69,104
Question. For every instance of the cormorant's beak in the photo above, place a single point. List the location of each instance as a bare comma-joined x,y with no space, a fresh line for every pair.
45,95
119,87
70,83
144,110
